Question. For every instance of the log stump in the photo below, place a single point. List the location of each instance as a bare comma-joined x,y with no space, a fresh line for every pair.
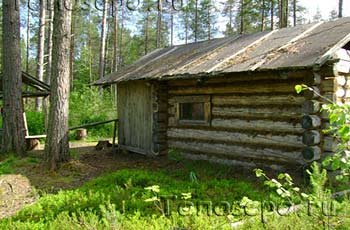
81,134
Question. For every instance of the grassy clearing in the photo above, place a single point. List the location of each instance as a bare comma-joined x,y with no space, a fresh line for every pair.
117,200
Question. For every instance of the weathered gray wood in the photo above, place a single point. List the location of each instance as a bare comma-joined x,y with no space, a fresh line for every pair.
135,114
311,137
235,88
81,134
328,85
282,141
311,107
330,144
257,100
215,149
269,112
262,125
93,124
310,121
311,153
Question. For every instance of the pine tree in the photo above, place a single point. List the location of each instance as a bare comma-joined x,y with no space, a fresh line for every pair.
57,145
340,9
41,49
101,68
229,12
13,123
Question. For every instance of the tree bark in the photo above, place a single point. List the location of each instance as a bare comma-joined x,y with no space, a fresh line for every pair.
71,55
159,23
262,28
294,12
57,145
242,17
209,21
28,39
146,32
172,27
115,37
196,22
103,40
272,14
340,9
41,51
13,123
49,60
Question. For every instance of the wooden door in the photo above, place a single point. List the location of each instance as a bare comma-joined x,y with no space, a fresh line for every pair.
135,116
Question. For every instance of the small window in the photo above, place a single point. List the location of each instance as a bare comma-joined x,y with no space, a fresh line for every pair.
192,111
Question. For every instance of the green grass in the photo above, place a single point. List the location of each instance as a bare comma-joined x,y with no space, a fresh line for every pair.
117,201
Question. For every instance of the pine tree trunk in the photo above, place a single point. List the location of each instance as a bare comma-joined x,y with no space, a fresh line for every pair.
262,28
57,145
146,33
103,40
196,22
340,9
28,39
41,51
159,23
209,21
294,12
13,123
186,27
121,37
28,46
242,17
272,14
283,13
115,36
49,59
171,27
71,54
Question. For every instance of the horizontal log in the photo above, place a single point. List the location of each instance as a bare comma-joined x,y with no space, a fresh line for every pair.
310,122
258,100
308,94
311,107
328,86
244,89
283,141
259,125
239,152
257,112
342,66
311,137
242,77
341,80
311,153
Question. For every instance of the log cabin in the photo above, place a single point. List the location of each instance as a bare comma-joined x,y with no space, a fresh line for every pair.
232,100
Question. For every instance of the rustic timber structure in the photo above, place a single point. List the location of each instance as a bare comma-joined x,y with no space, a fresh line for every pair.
232,100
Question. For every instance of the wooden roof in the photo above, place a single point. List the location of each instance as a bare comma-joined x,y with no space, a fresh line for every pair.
39,88
305,46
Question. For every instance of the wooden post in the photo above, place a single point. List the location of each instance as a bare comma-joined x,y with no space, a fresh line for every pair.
114,136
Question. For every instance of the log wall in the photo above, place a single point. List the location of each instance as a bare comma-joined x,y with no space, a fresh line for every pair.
254,118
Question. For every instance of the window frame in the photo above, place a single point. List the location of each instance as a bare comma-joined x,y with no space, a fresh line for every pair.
206,99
